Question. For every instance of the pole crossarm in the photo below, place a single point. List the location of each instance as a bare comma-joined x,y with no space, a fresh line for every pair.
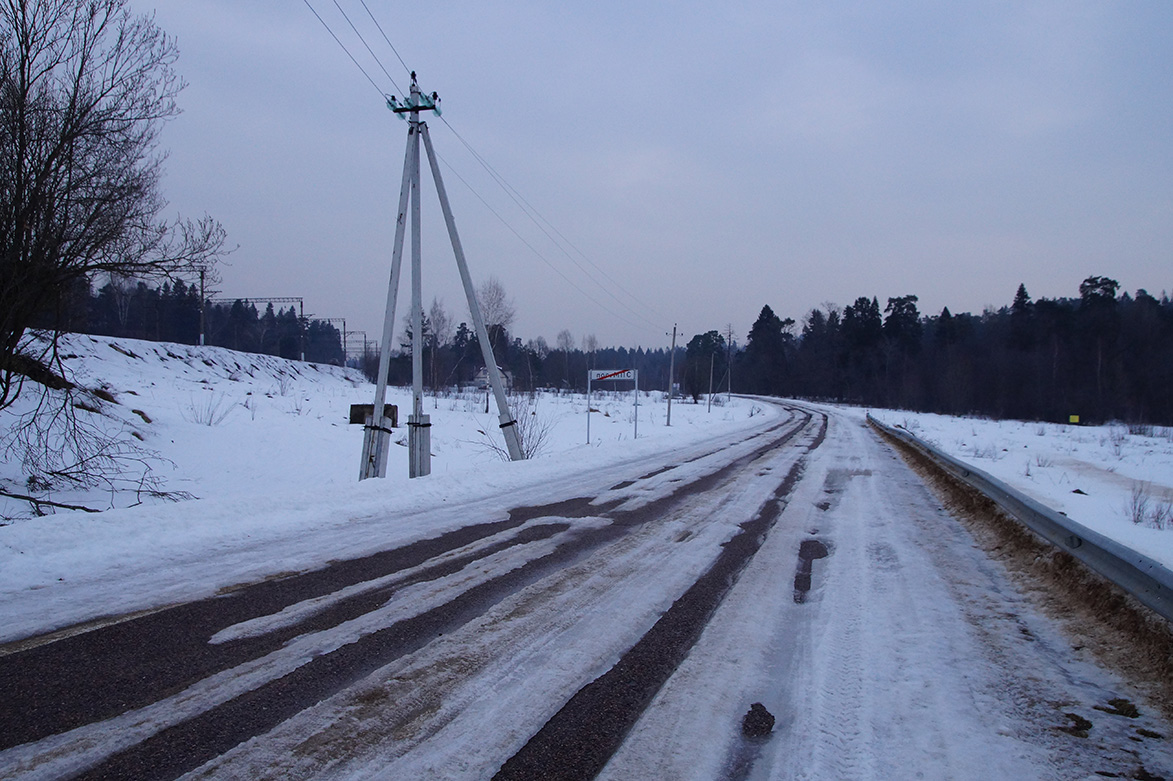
417,101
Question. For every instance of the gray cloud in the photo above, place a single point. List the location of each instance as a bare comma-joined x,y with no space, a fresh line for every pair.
710,160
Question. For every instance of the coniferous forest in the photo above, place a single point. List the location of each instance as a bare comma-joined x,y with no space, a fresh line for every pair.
171,313
1102,355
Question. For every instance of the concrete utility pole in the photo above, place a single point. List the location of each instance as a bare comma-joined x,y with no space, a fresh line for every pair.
671,374
203,299
709,406
507,423
729,360
378,437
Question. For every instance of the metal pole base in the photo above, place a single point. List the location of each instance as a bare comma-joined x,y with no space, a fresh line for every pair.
419,445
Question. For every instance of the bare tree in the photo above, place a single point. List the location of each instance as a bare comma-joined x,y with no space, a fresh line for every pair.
496,308
85,87
589,344
538,347
441,323
565,342
441,334
122,289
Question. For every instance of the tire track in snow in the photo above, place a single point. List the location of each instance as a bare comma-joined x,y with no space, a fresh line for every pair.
134,663
43,691
579,740
185,745
837,681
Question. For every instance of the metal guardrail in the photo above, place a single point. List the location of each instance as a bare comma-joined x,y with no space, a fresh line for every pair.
1142,577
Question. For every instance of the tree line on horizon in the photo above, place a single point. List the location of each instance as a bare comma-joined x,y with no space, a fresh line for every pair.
1102,356
532,365
171,313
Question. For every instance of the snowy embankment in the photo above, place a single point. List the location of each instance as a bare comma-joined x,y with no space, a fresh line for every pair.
1114,479
264,445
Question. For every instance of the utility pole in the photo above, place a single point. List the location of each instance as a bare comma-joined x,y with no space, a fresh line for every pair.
709,407
671,373
729,359
203,298
346,347
301,327
362,364
377,438
207,274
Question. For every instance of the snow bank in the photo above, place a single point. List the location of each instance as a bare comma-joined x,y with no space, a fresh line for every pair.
1113,479
265,445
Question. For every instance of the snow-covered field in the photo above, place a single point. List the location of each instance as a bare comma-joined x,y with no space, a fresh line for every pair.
1114,479
265,446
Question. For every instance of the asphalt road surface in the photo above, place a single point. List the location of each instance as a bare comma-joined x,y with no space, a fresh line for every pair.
619,629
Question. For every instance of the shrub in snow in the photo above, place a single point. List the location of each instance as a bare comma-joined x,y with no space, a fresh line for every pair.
1144,509
533,427
209,410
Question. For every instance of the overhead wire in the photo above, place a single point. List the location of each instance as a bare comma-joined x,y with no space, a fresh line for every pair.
522,204
385,38
368,48
586,257
536,217
348,54
526,207
534,249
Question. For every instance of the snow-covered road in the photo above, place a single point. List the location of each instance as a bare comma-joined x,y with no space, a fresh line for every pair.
502,646
914,655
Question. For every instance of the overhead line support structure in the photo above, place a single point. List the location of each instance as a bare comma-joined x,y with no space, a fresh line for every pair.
301,321
377,437
343,332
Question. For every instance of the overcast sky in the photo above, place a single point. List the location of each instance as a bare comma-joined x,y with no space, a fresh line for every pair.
704,159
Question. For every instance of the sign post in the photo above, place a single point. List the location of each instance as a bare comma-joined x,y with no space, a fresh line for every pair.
612,374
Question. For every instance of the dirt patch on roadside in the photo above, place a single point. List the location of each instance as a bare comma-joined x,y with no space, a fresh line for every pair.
1094,613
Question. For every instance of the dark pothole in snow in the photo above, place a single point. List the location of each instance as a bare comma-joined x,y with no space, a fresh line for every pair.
808,551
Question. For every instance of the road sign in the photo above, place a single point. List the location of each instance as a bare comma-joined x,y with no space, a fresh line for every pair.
612,374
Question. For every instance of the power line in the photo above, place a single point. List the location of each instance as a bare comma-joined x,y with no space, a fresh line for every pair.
368,48
348,54
533,249
526,207
534,216
385,38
